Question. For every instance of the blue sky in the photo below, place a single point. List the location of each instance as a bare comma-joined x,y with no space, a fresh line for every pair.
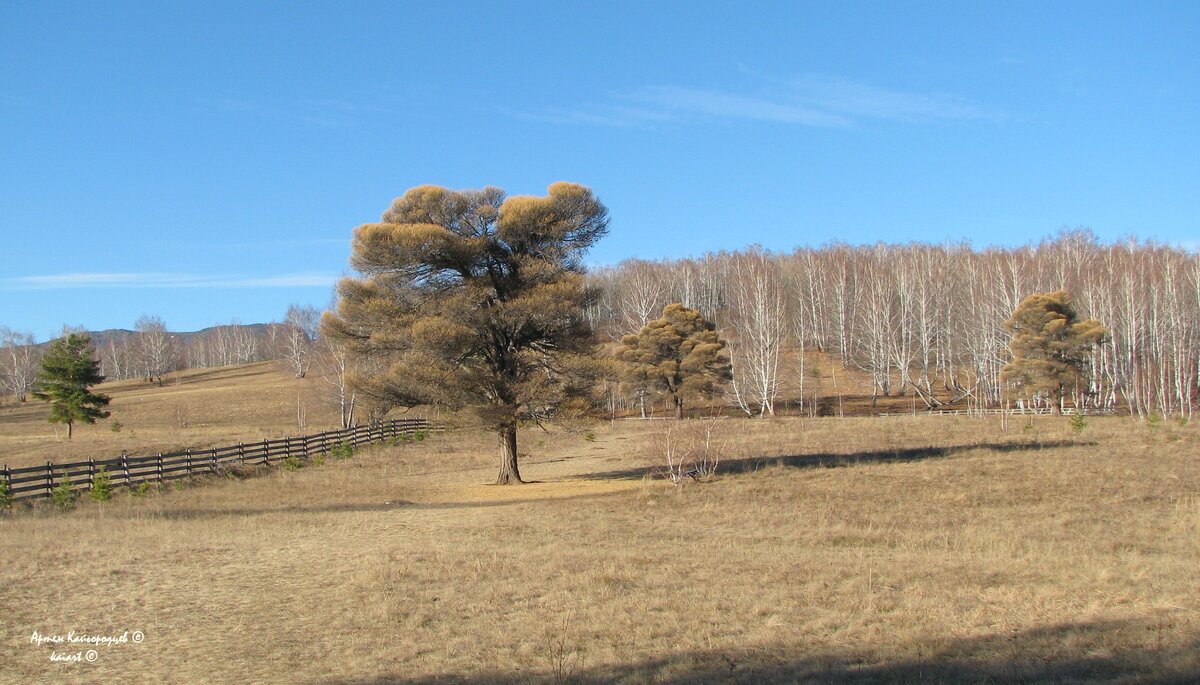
207,161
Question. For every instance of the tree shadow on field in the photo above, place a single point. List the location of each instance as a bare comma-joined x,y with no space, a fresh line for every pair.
831,460
221,373
1106,651
396,505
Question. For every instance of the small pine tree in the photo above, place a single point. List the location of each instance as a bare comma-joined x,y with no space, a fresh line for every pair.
64,497
1078,423
68,370
680,354
1050,346
101,490
342,450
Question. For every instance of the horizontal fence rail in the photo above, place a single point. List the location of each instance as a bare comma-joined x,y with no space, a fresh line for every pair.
32,482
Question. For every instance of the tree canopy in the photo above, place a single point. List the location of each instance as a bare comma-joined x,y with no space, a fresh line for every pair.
469,299
1050,346
68,370
679,354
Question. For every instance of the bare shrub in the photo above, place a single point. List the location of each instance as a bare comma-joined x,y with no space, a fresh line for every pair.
692,449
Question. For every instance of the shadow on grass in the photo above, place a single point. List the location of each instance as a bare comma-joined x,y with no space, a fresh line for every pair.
830,460
728,466
221,373
1107,651
397,505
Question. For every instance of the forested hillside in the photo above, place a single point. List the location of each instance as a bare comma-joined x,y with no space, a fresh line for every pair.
915,319
926,318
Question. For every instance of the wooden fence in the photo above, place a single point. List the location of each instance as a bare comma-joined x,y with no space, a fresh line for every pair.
39,481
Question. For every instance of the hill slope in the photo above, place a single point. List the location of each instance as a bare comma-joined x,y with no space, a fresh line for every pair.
196,408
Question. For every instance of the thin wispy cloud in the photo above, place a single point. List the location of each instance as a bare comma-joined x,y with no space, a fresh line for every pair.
809,100
163,280
856,99
710,103
607,115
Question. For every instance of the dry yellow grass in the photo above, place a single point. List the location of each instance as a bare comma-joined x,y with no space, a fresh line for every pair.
195,408
829,550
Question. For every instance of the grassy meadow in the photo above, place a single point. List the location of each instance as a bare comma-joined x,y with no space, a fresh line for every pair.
194,408
842,550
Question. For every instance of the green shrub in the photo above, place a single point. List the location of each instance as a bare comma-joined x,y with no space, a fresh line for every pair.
1078,423
115,426
319,460
63,497
420,435
589,436
101,490
293,464
342,450
141,489
6,499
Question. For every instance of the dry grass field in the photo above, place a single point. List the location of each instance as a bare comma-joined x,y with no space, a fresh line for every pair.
195,408
827,550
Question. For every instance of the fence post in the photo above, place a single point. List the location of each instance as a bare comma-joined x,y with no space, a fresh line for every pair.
189,460
91,471
125,467
160,468
49,479
266,455
241,453
214,460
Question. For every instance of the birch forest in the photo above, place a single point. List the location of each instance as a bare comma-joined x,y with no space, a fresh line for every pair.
922,320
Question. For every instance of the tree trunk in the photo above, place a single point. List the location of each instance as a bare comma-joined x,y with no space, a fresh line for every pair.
509,474
678,408
70,425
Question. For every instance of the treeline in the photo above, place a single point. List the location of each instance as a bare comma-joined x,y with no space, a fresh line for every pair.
925,319
150,351
919,319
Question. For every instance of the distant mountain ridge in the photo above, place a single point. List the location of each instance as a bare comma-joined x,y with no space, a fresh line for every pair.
102,338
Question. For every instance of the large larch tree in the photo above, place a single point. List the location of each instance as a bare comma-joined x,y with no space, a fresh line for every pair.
472,300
